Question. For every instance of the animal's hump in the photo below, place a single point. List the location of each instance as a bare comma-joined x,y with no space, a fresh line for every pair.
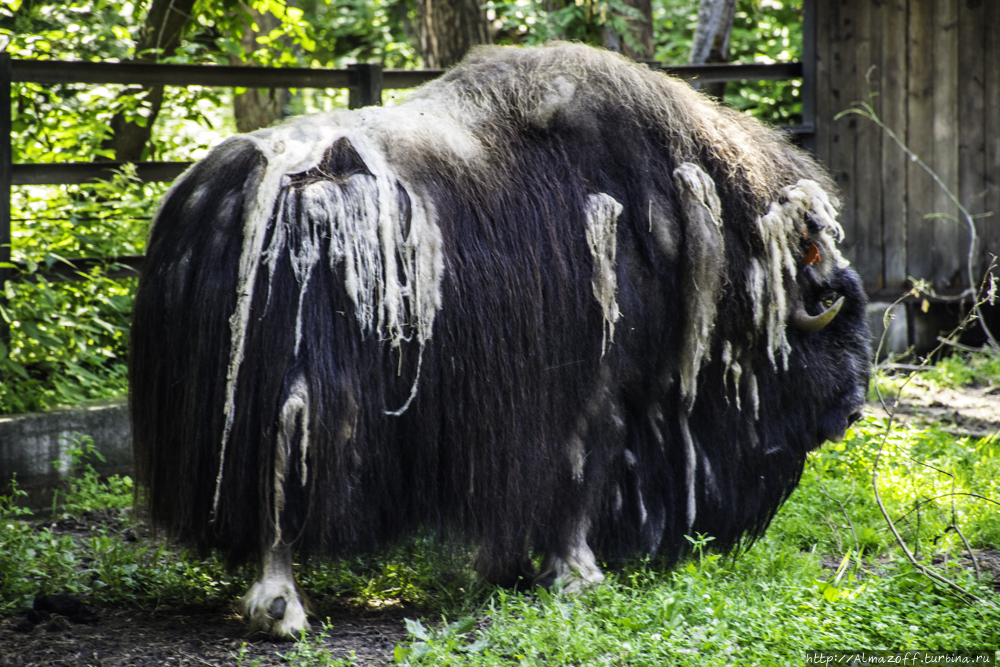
572,84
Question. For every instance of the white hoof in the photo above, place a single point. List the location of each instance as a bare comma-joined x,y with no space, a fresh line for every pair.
273,606
577,568
575,573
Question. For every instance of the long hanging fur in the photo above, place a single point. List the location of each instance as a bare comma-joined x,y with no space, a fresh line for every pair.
545,297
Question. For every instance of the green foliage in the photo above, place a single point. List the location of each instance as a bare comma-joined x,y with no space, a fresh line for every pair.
449,638
19,548
361,30
69,340
34,560
767,31
764,31
422,573
310,650
86,490
722,612
98,564
925,479
977,369
533,22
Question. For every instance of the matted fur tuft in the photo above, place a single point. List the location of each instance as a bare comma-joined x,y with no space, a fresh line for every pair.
542,304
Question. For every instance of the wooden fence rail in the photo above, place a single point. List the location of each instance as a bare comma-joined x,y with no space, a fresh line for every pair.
365,83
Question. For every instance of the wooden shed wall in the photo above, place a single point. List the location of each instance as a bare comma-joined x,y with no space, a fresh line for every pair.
931,70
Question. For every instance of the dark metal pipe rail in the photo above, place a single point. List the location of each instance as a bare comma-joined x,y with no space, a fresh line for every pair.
124,266
223,76
68,173
148,74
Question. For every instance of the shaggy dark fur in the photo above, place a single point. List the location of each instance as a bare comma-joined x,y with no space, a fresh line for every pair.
517,364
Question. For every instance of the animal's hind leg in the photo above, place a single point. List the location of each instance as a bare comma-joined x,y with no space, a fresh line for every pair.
574,564
518,573
273,605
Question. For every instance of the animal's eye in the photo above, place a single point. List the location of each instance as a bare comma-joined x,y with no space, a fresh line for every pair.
829,298
812,255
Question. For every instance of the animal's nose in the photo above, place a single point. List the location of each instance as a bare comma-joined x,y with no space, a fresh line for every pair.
853,417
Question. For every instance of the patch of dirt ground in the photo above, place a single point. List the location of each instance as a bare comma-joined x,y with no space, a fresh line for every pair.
191,636
968,411
142,636
136,636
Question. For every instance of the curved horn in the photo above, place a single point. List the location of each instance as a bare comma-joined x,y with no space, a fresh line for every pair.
803,321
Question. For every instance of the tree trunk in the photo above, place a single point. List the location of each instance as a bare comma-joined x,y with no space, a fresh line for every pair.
257,108
711,38
448,29
641,31
160,36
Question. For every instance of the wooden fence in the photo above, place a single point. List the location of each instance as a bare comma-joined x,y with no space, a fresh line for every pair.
931,71
365,83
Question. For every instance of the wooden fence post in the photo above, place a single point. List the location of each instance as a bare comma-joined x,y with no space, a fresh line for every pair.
366,85
6,178
808,91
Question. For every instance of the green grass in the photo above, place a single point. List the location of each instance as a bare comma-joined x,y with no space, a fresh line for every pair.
720,611
828,574
781,597
977,369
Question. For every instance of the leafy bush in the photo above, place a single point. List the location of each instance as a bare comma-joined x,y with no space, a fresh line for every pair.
764,31
68,340
86,490
32,560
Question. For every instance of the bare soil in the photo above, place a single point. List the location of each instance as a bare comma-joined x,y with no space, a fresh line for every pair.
144,636
969,411
140,636
178,636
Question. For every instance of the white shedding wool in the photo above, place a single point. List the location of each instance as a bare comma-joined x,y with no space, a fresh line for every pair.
781,227
702,212
290,149
294,412
362,219
602,230
691,469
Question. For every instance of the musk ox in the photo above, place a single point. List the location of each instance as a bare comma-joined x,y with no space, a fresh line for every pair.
555,303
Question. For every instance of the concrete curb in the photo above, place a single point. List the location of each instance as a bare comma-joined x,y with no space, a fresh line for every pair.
30,443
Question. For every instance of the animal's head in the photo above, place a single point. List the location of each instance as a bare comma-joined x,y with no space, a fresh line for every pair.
826,320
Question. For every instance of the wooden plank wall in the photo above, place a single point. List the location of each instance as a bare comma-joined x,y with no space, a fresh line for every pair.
931,71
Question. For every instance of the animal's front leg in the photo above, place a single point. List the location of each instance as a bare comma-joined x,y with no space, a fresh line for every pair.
273,605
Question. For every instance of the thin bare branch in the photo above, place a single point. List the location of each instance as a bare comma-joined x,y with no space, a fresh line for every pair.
843,509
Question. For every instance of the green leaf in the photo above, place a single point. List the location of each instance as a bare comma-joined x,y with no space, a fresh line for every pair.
17,368
477,646
628,623
462,627
417,629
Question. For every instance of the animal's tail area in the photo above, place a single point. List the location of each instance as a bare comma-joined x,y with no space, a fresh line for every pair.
262,304
180,337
